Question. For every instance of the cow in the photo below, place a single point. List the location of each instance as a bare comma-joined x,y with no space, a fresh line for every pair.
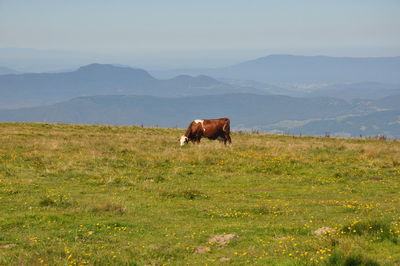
207,128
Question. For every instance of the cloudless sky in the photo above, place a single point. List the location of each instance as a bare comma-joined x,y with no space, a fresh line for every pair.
157,26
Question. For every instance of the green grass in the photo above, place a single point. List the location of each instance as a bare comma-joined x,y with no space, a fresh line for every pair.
104,195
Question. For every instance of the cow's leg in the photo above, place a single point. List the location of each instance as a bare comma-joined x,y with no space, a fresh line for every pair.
227,137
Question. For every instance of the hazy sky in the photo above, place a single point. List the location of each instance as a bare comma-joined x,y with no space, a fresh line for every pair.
186,26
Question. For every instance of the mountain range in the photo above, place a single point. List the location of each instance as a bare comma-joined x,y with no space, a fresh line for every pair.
24,90
365,104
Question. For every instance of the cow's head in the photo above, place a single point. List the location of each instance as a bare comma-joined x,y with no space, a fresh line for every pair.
184,140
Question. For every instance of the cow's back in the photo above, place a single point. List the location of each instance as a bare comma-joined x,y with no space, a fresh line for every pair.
216,127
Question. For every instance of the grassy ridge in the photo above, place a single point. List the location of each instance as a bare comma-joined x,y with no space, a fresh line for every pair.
72,194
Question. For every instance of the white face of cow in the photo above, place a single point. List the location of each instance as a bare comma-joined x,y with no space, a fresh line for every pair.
184,140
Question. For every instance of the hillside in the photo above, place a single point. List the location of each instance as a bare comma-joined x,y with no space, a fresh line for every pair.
390,102
105,195
364,90
246,110
377,123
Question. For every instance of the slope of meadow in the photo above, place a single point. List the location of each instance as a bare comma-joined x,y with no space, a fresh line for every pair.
72,194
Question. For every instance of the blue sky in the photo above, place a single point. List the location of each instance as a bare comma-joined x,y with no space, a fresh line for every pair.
186,26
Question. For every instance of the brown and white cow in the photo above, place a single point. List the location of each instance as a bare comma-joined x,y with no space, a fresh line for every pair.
207,128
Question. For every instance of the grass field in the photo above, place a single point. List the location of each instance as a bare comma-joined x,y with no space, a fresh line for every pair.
104,195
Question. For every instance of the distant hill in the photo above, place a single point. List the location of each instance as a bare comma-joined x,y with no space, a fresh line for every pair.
307,69
273,89
307,116
377,123
246,110
364,90
99,79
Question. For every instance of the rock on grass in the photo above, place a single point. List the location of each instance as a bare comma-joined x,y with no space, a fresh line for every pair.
222,239
324,231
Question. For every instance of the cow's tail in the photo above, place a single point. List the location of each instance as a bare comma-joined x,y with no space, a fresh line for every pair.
227,126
